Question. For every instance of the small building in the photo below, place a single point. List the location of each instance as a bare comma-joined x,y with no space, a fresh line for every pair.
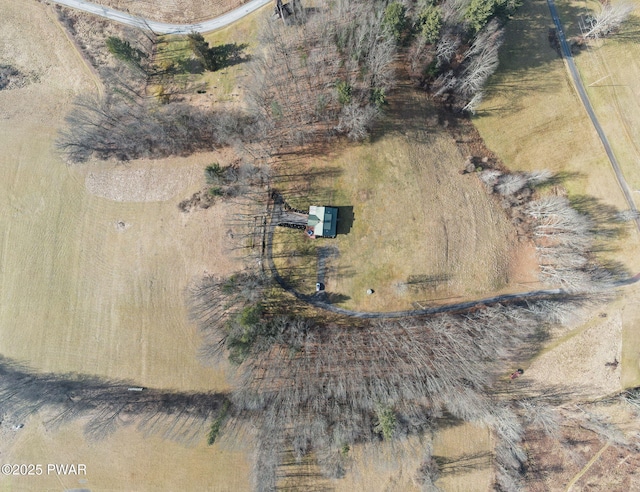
322,221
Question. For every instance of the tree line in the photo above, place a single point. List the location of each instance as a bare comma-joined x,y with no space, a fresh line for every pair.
105,405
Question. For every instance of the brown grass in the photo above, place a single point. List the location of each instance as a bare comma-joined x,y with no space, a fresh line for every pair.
81,293
422,232
533,119
466,450
125,461
94,272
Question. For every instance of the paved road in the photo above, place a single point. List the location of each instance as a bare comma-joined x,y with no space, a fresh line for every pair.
566,53
162,27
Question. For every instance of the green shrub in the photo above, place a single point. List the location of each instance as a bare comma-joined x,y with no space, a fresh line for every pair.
214,173
430,21
387,422
378,97
344,92
216,425
479,13
123,50
395,19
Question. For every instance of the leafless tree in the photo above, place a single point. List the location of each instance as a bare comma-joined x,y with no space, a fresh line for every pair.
296,76
447,46
481,60
511,183
609,19
125,129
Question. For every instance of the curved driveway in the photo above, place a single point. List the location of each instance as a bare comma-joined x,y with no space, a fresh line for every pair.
162,27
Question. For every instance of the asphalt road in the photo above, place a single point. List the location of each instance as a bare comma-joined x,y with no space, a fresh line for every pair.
162,27
573,70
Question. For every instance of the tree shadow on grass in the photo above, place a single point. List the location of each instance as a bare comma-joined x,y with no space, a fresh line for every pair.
104,405
463,464
228,55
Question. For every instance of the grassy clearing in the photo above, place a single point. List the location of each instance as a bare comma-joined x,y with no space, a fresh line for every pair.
416,219
295,257
533,119
464,455
226,85
413,228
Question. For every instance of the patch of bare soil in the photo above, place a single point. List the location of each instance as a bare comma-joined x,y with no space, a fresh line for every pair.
174,11
139,183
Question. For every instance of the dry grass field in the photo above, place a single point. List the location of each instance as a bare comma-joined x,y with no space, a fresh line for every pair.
174,11
125,461
533,119
95,261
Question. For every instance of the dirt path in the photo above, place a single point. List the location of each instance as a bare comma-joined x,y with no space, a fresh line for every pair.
586,467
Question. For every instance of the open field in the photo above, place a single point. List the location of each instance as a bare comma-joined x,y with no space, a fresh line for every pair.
421,231
95,261
611,72
173,11
93,275
126,460
533,119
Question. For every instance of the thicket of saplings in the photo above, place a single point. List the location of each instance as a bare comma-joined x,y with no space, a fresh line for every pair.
315,387
332,68
326,71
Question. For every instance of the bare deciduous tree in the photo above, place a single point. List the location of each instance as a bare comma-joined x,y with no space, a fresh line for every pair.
609,19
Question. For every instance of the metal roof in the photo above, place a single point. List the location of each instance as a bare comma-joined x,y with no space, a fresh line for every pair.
323,220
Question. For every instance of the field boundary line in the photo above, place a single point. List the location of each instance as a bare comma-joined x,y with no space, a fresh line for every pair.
586,467
93,73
